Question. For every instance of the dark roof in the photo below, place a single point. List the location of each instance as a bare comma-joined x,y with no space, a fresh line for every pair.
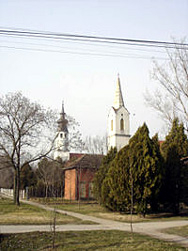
6,174
91,161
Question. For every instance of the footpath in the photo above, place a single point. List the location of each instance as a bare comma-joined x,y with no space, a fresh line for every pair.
152,229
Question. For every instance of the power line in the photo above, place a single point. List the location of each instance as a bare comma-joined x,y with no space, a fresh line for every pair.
92,39
79,53
62,47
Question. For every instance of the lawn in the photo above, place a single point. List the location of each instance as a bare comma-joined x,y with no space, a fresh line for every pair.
27,214
87,240
182,231
94,209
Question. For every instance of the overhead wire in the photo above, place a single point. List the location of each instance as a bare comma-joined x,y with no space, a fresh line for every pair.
112,42
79,53
91,39
62,47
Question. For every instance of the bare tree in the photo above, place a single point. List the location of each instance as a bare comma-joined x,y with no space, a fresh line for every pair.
172,100
24,133
96,145
75,138
44,172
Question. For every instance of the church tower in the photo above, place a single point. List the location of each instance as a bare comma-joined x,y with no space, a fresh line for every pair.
118,121
61,141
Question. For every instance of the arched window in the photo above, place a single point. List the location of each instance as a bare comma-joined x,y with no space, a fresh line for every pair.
121,124
111,125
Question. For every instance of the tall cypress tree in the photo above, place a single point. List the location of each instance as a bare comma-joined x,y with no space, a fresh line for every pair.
102,172
115,190
159,175
173,149
145,161
136,171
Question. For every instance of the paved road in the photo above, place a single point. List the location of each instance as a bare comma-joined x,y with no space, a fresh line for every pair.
148,228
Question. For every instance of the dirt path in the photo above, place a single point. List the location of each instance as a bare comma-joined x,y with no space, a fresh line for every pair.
148,228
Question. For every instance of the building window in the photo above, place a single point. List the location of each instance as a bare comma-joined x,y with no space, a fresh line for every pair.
61,135
121,124
111,125
91,190
82,190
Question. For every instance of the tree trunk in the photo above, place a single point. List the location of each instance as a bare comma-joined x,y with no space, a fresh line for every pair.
17,186
46,192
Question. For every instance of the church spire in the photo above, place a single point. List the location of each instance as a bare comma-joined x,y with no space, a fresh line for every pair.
62,121
118,99
63,112
62,141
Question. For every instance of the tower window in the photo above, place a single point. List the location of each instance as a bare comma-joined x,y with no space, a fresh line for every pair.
61,135
111,125
121,124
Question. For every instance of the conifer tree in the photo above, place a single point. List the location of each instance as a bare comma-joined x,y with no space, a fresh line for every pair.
27,176
173,149
102,172
155,196
116,187
136,171
144,161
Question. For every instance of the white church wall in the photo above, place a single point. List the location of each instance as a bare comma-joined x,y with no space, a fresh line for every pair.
118,122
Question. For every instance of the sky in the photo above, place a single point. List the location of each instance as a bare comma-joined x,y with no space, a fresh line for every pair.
85,75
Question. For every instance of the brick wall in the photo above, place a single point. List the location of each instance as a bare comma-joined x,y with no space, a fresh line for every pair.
70,185
86,178
76,179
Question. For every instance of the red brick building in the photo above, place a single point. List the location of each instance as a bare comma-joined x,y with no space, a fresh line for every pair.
79,173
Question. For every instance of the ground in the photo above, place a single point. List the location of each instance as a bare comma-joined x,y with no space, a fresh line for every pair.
144,228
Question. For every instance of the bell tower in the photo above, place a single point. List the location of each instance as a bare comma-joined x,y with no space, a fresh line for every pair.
62,141
118,121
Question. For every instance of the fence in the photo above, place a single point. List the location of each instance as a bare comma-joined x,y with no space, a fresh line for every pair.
10,192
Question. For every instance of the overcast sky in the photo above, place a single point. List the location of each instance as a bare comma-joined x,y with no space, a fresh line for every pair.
85,75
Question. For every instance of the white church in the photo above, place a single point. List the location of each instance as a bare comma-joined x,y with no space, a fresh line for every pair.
80,168
118,121
118,127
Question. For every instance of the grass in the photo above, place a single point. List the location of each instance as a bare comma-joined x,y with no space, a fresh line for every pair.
182,231
94,209
27,214
87,240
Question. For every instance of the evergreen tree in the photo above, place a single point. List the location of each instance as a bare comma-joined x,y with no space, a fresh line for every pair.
102,172
155,200
173,149
135,173
145,162
116,187
27,176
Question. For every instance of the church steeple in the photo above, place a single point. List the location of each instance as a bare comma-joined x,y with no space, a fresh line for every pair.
118,99
61,141
118,121
62,121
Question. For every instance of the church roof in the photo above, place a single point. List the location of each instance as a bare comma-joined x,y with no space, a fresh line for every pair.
118,99
91,161
116,110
